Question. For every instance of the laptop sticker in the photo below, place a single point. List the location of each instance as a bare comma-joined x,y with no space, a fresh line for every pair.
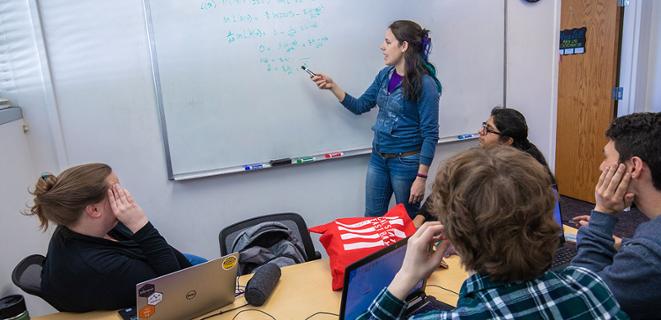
155,298
146,312
146,290
229,262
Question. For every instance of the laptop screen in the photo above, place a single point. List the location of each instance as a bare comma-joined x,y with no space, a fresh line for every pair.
557,215
556,209
366,281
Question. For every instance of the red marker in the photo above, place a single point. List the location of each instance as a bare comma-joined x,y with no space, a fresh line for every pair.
333,155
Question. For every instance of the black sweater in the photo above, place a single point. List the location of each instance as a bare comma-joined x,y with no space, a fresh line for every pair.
83,273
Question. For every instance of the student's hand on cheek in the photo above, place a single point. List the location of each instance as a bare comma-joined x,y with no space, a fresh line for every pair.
611,193
420,261
126,209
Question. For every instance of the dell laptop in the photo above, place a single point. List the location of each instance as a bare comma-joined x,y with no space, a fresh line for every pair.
190,292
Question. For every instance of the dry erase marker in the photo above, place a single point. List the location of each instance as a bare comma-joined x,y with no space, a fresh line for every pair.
280,162
253,166
333,155
312,74
304,160
464,136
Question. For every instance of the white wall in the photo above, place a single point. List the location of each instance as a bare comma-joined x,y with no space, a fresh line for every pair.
98,55
19,235
640,65
653,99
22,36
532,55
23,156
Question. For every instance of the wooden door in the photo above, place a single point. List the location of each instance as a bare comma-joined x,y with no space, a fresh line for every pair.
585,100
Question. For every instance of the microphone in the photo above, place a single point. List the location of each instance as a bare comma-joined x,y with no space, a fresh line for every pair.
261,284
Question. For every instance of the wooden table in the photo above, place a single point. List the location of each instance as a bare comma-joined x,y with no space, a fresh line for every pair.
305,289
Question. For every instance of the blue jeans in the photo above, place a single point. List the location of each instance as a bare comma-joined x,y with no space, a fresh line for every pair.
385,176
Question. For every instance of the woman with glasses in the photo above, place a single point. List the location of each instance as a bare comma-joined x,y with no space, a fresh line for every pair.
505,126
508,126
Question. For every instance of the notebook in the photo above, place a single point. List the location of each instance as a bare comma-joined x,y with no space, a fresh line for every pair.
190,292
365,278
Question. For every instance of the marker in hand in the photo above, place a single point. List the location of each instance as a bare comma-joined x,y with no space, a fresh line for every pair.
312,74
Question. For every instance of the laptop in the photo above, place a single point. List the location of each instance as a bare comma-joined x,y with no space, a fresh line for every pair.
567,249
365,278
190,292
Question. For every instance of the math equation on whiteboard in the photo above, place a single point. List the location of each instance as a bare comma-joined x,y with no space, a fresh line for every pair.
282,33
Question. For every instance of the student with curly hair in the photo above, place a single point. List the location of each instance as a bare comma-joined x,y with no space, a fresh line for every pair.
494,205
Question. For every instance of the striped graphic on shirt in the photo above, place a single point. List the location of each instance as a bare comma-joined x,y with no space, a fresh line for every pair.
377,232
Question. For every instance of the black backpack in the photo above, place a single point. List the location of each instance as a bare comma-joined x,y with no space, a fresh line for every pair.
267,242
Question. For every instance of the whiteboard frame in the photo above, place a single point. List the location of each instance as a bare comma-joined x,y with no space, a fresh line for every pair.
239,169
156,77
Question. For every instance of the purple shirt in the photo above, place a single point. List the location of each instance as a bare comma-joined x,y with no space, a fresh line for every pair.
395,80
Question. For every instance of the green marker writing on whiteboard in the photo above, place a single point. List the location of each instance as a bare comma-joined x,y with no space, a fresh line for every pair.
304,160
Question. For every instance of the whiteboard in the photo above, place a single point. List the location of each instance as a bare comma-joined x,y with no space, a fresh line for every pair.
231,92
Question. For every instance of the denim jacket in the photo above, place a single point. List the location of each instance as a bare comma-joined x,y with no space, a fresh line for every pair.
401,125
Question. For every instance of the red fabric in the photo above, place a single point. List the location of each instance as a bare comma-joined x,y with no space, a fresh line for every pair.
347,240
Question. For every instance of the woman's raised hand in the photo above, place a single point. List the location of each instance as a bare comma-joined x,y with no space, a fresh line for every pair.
323,81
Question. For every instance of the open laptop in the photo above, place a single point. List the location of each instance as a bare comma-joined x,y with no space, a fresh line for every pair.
365,278
567,249
190,292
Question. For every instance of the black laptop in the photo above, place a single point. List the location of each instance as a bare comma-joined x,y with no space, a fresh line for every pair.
567,249
365,278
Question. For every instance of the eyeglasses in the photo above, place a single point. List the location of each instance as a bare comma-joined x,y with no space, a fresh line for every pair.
486,129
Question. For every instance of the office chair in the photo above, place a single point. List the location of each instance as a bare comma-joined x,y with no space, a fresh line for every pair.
27,274
293,221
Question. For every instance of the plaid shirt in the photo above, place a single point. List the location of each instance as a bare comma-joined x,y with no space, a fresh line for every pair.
574,293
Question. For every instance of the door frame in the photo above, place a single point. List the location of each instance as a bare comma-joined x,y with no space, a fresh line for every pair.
629,52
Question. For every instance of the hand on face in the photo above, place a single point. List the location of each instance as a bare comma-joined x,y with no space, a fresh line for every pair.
126,209
420,260
611,193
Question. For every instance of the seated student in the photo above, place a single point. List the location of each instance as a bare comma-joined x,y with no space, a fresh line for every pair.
505,126
103,245
631,172
494,205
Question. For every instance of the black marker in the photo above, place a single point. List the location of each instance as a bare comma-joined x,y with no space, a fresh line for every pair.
312,74
280,162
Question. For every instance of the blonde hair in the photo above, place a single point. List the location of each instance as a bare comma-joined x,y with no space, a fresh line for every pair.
62,199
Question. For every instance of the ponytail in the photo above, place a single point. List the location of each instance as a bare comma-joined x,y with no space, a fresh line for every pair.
62,199
416,57
44,184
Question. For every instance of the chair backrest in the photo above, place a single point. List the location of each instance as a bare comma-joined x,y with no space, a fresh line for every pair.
293,221
27,274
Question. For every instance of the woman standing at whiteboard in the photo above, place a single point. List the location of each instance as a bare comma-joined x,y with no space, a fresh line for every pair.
406,129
